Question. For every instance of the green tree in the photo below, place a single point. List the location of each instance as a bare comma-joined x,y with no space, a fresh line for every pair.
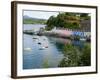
71,56
64,20
50,23
85,59
84,16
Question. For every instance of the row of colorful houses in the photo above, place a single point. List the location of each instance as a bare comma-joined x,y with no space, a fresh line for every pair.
72,33
81,34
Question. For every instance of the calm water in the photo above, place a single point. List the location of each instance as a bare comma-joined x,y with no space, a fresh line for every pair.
43,50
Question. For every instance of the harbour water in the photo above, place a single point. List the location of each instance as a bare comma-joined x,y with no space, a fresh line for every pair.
43,51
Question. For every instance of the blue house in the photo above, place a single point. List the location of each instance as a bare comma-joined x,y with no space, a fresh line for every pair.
78,33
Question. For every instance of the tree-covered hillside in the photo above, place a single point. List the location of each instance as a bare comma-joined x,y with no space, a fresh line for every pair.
67,20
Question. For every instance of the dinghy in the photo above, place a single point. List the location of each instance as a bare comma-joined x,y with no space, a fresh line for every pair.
27,49
42,48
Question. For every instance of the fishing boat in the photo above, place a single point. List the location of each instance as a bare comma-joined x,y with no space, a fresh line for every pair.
42,48
27,49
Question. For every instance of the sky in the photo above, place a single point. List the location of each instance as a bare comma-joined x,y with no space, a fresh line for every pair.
39,14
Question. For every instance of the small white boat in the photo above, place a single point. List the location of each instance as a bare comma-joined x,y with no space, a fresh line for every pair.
82,39
27,49
35,38
42,48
